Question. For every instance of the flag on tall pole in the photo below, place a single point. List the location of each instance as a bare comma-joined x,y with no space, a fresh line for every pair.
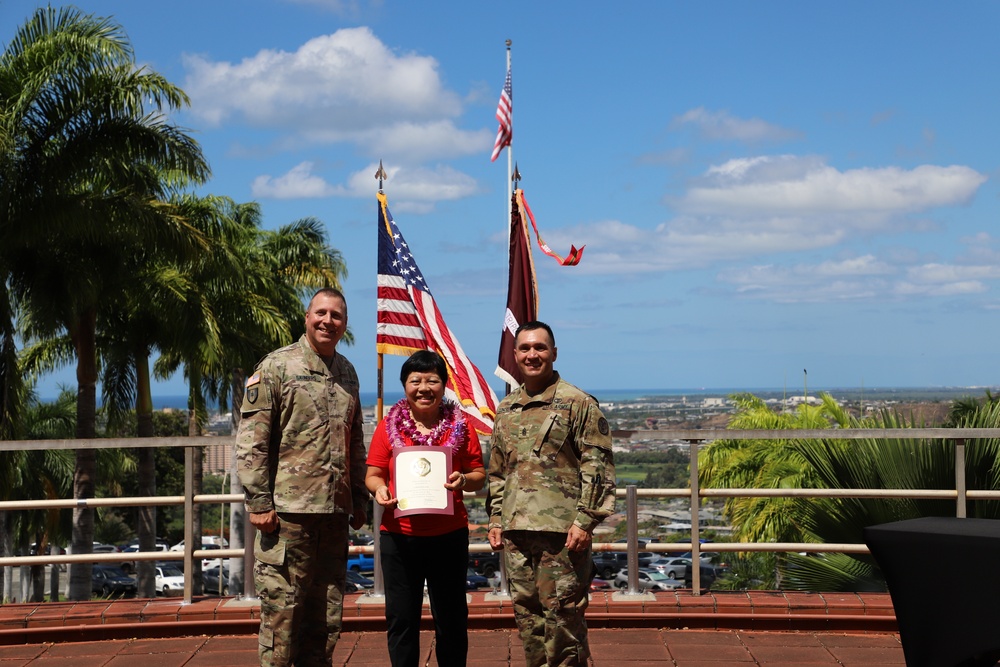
522,294
505,111
575,254
409,320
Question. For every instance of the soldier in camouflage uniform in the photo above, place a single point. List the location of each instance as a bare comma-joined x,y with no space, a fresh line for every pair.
301,458
551,482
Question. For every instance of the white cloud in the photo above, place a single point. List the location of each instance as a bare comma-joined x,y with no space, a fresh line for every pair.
299,182
765,207
344,87
952,273
852,279
792,185
336,6
414,189
720,125
860,278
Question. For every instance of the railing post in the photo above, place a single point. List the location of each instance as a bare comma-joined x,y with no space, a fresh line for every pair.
189,525
378,589
503,586
695,533
632,538
960,508
249,560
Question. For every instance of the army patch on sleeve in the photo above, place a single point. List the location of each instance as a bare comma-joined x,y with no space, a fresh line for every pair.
602,426
252,388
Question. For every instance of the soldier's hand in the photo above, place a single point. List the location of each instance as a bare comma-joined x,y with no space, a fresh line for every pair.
359,518
495,536
265,522
577,539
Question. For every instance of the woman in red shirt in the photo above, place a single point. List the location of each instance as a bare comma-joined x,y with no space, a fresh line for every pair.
431,547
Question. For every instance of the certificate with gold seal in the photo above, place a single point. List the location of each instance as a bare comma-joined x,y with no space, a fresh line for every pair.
420,474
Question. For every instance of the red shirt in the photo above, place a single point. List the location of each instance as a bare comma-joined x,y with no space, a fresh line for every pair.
467,455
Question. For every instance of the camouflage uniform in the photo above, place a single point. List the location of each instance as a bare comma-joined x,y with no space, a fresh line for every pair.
551,467
300,451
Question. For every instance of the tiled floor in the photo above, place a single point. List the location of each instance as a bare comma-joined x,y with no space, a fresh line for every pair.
675,629
492,648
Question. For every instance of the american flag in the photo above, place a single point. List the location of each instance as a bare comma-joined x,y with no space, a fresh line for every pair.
409,320
504,110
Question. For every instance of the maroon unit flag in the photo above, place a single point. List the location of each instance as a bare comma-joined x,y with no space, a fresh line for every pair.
505,109
409,320
522,295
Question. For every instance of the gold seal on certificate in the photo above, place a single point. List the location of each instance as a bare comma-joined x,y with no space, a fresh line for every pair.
420,474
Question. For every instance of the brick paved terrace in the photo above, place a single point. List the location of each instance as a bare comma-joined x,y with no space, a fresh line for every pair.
675,629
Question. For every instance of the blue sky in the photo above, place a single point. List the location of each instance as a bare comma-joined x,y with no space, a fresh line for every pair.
761,187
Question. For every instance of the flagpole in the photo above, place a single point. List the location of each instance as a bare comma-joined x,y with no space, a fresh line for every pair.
379,403
510,154
508,184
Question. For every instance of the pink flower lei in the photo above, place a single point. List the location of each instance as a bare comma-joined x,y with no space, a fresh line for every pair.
401,424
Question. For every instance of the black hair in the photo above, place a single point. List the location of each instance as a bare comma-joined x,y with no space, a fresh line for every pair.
533,325
424,361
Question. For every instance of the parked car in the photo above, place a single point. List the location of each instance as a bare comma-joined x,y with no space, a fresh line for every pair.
110,580
648,580
704,556
104,548
709,573
206,540
474,581
210,581
211,562
361,563
358,582
129,565
672,567
608,563
360,540
169,579
598,584
486,564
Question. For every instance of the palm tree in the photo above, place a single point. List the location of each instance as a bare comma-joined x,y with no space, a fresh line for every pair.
246,301
767,464
82,174
38,474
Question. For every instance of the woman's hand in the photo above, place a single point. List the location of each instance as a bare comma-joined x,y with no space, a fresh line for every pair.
384,498
456,481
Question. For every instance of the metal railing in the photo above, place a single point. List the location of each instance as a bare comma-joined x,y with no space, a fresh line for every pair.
695,494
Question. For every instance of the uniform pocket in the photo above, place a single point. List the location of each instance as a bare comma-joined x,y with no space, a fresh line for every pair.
552,434
269,548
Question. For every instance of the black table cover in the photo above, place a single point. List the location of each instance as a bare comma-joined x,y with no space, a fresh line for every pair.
943,575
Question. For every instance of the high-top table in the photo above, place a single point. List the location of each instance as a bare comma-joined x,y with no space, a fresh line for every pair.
943,575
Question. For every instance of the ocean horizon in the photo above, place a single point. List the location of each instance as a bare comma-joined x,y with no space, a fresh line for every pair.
368,399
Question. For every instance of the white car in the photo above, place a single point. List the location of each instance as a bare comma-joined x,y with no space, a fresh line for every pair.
130,565
207,542
648,580
672,567
169,579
